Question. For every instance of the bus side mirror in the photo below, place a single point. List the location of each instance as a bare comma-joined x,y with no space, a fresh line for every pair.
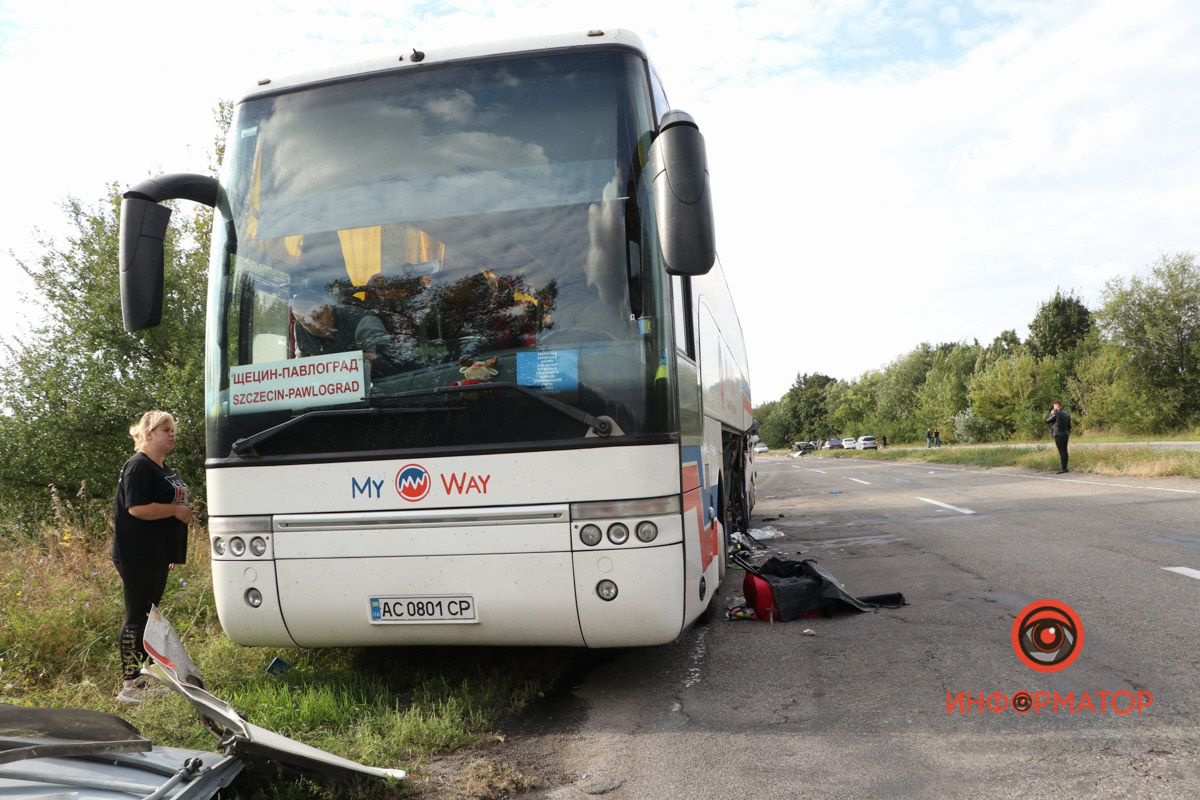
143,231
678,169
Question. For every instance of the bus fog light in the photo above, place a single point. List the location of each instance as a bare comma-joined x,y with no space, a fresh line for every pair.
254,597
618,533
258,545
607,590
237,546
590,535
647,531
219,546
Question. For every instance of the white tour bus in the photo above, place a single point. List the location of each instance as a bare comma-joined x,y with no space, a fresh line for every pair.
474,375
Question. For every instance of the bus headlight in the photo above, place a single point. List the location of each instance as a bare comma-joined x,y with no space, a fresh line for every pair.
618,533
253,597
237,546
590,535
647,531
219,546
258,545
607,590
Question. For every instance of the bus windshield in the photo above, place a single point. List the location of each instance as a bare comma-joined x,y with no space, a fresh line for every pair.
449,257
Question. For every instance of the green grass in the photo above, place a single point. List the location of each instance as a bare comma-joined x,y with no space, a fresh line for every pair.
60,601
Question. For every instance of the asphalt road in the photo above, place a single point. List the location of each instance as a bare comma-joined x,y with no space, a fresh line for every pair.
856,705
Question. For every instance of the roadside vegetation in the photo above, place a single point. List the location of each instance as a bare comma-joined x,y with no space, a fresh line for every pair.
1129,460
393,707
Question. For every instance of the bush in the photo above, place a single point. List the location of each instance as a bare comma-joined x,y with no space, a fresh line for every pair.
970,427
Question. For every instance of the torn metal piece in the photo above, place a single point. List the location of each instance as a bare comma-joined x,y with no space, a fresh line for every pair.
90,755
171,665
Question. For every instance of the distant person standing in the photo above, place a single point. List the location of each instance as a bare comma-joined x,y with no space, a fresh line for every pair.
1060,426
928,438
883,439
937,438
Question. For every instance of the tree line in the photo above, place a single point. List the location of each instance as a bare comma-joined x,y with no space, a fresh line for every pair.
1130,366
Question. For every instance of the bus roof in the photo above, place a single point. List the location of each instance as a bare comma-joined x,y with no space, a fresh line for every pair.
436,55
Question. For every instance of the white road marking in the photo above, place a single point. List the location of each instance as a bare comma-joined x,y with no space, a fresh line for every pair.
946,505
818,470
1191,573
856,480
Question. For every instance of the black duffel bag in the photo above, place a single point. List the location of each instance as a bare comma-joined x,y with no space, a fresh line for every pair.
803,587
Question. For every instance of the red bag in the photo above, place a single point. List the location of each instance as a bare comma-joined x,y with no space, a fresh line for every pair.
759,597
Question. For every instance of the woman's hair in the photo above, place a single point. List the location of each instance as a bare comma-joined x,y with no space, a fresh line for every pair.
149,421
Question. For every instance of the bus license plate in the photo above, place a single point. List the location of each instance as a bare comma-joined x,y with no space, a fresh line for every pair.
438,608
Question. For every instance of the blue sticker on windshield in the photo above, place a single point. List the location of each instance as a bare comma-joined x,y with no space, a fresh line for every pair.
552,370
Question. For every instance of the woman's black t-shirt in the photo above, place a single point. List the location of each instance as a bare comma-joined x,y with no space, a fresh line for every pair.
139,542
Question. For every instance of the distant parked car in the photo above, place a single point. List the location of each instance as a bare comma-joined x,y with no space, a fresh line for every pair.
832,444
761,447
848,443
804,447
866,443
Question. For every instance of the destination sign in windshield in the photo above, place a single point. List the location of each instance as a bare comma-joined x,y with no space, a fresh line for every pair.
298,383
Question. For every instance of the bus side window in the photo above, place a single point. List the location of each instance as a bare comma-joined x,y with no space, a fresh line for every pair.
685,338
661,106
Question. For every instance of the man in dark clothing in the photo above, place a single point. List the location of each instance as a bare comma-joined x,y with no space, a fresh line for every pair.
323,327
1060,426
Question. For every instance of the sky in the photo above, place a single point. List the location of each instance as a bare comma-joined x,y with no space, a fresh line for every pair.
884,172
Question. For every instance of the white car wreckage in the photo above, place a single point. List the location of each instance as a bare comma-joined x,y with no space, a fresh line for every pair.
91,755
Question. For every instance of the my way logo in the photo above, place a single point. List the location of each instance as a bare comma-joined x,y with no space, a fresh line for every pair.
413,482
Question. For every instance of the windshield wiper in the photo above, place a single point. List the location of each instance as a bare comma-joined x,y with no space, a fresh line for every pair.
241,446
603,427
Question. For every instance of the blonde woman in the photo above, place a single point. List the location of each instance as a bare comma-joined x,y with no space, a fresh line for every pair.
149,537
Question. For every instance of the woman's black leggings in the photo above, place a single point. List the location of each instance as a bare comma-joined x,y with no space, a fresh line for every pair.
144,587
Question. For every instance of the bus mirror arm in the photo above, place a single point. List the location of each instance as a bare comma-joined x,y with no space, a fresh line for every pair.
143,231
678,167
